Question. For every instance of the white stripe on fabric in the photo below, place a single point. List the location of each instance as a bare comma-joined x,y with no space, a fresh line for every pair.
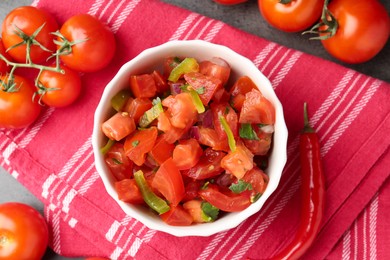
264,53
183,26
75,157
198,21
346,252
214,31
276,66
68,199
35,3
352,116
46,185
123,15
118,6
286,68
112,230
72,222
135,246
15,174
364,234
206,252
105,9
271,58
56,231
204,29
117,252
89,182
356,240
373,217
95,7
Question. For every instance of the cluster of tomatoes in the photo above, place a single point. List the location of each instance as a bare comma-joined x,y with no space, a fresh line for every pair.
32,40
351,31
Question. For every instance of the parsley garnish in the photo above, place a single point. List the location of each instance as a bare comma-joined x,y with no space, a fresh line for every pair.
210,213
240,186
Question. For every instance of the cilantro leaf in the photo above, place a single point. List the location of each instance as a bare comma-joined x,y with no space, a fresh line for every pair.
247,132
240,186
210,213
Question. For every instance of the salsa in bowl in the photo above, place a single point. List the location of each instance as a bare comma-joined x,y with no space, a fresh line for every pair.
189,138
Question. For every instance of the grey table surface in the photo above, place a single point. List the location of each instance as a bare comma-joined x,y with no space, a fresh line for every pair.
243,16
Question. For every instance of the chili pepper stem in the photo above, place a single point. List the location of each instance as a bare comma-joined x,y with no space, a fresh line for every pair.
307,128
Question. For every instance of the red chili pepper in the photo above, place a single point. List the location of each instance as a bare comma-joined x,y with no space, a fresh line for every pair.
313,194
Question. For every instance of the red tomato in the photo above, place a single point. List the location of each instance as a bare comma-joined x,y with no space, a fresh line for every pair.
95,43
364,28
187,154
162,150
3,66
293,16
17,109
128,191
181,110
242,86
59,90
261,146
226,201
177,216
137,107
172,134
208,166
119,126
143,86
211,138
161,83
230,2
28,19
23,232
206,86
169,182
119,165
256,109
258,179
238,162
139,144
194,208
216,68
224,109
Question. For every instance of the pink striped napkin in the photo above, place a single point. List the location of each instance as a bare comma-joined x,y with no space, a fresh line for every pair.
53,157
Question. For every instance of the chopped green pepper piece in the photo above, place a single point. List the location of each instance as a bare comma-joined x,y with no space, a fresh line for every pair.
247,132
119,100
209,212
229,133
186,66
156,203
107,147
151,114
197,101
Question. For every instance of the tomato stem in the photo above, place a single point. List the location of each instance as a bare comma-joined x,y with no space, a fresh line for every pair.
328,22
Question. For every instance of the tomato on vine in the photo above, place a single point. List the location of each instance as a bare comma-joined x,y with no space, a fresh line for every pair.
17,107
291,15
85,43
29,27
59,89
23,232
354,31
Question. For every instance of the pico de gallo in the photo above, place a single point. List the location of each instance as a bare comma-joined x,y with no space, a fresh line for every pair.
189,142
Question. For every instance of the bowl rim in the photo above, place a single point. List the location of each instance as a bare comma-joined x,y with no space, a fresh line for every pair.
204,229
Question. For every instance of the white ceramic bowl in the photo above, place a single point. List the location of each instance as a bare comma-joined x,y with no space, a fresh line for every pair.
201,50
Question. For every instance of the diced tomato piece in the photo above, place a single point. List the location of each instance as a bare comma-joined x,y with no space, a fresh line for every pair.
161,83
140,143
194,208
261,146
118,163
221,96
181,110
187,154
143,86
128,191
191,190
172,134
206,86
216,68
177,216
162,150
256,109
224,109
118,126
210,137
226,201
258,179
138,107
242,86
169,182
208,166
238,162
169,64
